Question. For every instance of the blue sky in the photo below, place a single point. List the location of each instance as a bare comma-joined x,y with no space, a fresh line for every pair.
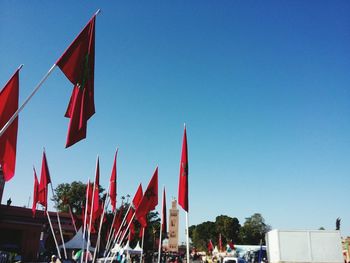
263,87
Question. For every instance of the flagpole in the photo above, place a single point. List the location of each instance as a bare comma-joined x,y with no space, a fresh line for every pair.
116,236
161,227
124,234
92,207
99,229
59,223
143,234
187,240
53,233
14,116
73,221
111,231
85,219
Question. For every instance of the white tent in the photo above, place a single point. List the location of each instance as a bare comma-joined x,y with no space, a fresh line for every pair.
138,248
77,242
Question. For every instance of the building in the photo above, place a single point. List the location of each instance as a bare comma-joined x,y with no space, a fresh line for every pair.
173,244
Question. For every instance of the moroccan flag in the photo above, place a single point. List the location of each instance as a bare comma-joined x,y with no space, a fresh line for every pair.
35,193
119,219
210,246
131,232
78,63
149,200
8,140
164,221
183,181
96,210
113,184
44,181
137,197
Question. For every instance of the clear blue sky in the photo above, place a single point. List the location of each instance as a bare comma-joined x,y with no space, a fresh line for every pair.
263,87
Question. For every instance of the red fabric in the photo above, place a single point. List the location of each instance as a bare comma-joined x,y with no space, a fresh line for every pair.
96,211
119,219
113,184
44,181
8,140
137,197
78,63
210,246
149,200
183,181
131,232
35,193
164,221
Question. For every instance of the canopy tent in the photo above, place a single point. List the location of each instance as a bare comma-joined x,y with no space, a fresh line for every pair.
77,242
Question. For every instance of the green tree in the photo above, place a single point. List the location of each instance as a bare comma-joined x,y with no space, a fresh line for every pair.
73,194
254,229
228,227
201,234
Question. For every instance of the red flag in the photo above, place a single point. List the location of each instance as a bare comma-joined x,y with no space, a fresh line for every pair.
131,232
96,211
113,183
35,193
78,63
210,246
8,140
118,220
164,221
183,181
149,200
137,197
44,181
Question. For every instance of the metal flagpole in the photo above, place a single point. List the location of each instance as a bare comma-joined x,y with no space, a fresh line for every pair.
187,240
59,223
85,219
143,234
116,236
123,236
53,233
92,207
161,230
99,229
14,116
111,231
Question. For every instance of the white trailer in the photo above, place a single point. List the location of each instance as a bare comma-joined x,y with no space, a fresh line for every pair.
309,246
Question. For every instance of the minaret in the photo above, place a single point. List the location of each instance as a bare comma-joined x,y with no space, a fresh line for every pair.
174,227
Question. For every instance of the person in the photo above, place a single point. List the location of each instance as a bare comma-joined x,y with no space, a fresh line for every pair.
54,259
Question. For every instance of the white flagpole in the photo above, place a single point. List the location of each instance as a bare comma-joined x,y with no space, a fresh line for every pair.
85,219
123,236
53,233
59,224
143,234
100,227
14,116
187,240
111,231
116,236
92,207
160,229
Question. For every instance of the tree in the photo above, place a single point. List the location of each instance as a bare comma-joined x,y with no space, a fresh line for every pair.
202,233
73,194
254,229
228,227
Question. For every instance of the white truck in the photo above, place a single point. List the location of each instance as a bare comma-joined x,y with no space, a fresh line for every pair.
309,246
